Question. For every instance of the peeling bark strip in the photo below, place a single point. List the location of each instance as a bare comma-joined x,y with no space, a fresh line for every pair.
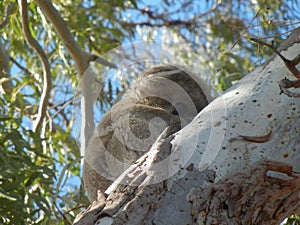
260,139
248,197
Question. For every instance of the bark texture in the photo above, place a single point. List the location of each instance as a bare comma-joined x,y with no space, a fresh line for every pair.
251,196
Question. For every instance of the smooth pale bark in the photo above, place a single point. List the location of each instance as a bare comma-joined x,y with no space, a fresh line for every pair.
228,166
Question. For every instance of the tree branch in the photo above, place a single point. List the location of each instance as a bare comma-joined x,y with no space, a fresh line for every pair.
25,70
290,64
165,21
8,11
81,57
7,86
285,84
45,64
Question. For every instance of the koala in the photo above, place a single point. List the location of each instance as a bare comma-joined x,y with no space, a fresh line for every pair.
164,96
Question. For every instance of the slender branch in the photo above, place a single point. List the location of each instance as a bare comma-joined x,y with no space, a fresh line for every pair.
81,57
8,11
65,219
24,69
60,109
245,30
45,64
164,18
27,108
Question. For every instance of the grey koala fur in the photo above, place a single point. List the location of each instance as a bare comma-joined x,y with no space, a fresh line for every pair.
164,96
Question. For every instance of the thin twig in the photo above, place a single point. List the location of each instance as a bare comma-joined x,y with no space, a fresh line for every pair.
244,31
65,219
45,64
164,18
24,69
61,109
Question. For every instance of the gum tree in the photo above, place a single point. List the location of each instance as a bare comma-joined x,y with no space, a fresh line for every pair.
46,47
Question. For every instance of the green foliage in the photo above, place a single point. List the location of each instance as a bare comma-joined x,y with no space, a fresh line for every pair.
31,181
26,173
40,172
293,220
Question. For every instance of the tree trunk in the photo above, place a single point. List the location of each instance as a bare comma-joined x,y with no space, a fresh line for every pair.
235,163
